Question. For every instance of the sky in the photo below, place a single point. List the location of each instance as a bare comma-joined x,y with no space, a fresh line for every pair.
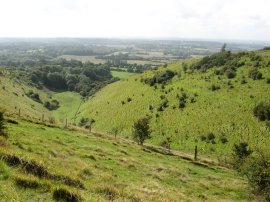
192,19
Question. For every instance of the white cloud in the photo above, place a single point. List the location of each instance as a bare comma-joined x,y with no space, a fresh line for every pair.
231,19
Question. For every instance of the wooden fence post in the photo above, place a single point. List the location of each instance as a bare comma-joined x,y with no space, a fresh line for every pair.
196,153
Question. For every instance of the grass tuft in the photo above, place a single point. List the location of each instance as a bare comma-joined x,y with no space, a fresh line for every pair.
62,194
27,183
108,192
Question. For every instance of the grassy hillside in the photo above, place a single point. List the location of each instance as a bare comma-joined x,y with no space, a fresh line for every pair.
226,112
40,163
13,98
121,75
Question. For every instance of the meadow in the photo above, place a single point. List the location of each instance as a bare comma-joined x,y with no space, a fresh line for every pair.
227,113
40,163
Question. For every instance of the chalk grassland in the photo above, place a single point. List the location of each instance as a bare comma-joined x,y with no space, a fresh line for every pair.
121,75
227,112
13,99
40,163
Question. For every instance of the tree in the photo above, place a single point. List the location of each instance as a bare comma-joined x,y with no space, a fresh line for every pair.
141,130
223,48
91,122
241,152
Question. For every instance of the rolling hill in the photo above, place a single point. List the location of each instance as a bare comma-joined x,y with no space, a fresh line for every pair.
214,119
208,103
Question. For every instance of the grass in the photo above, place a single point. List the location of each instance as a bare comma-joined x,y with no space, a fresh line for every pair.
121,75
69,105
227,112
13,99
117,169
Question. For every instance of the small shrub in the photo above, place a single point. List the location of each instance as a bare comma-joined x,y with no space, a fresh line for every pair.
223,139
83,121
243,81
230,73
255,74
257,170
214,87
33,96
240,152
211,138
203,138
262,111
181,104
62,194
268,81
53,105
129,99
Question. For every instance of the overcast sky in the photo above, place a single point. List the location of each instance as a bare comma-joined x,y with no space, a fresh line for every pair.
203,19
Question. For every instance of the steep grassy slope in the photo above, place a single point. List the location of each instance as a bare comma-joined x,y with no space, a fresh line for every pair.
39,162
227,112
13,98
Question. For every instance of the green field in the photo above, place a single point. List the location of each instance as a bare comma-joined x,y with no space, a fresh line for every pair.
99,168
69,105
121,75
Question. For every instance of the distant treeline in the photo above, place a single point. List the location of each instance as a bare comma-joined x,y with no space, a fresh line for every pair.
73,75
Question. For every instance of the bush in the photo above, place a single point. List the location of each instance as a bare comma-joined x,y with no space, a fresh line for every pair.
182,104
211,138
255,74
268,81
33,96
214,87
257,170
223,139
53,105
262,111
240,153
160,78
230,73
83,121
241,150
